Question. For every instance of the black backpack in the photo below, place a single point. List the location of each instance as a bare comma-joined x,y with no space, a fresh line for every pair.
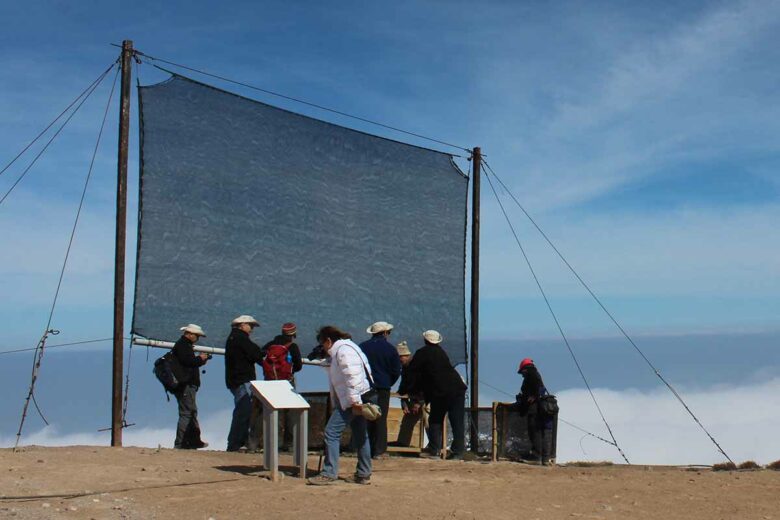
164,372
548,404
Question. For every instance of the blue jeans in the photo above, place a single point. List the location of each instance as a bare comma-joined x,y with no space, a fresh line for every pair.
242,412
336,425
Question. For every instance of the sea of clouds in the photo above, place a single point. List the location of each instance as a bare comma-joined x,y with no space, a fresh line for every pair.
650,426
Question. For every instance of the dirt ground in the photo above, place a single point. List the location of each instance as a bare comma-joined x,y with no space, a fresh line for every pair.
83,482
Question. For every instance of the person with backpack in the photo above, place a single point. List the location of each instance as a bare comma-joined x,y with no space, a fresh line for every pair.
350,378
282,356
281,360
386,369
528,403
241,355
432,375
186,367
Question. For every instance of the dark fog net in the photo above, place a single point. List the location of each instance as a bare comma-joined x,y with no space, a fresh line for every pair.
249,209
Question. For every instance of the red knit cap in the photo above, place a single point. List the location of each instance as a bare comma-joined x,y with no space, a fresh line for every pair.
524,363
289,329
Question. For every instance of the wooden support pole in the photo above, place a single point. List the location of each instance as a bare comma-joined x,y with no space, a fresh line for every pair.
494,448
476,159
119,251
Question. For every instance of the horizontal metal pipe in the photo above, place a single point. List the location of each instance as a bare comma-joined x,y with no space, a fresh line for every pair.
167,344
209,350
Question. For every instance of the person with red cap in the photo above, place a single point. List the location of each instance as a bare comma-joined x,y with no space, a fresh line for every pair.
282,356
528,405
281,360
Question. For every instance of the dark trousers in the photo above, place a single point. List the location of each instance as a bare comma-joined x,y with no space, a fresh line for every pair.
454,407
377,430
537,426
242,412
188,429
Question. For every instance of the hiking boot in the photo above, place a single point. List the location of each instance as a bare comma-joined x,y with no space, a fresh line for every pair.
455,456
357,479
199,445
425,454
321,480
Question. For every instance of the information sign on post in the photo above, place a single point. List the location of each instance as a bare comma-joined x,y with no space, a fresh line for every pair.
275,396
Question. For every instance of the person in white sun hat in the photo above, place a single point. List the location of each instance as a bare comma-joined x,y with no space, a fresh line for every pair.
433,376
187,370
386,369
241,356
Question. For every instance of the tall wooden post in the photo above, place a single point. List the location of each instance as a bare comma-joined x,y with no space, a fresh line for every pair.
476,159
119,251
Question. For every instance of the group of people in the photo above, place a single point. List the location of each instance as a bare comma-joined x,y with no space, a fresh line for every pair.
360,375
280,359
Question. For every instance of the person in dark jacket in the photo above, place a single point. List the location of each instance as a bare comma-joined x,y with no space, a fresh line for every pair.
404,387
408,400
386,369
528,404
433,376
288,335
241,355
187,370
286,338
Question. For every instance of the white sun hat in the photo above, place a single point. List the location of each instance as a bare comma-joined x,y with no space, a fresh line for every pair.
193,329
371,412
403,349
245,318
432,336
379,327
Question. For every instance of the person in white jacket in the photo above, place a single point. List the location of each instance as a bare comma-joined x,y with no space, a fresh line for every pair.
350,386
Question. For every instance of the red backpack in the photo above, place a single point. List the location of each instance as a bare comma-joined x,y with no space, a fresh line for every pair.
276,366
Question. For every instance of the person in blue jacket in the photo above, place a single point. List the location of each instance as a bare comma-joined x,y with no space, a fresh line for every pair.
386,369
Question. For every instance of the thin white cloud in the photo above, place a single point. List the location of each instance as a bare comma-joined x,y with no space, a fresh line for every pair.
677,94
687,252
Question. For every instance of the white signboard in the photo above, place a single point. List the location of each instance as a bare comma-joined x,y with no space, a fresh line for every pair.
278,395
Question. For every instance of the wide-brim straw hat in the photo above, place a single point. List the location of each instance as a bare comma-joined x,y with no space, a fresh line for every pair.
245,318
432,336
193,329
379,327
403,349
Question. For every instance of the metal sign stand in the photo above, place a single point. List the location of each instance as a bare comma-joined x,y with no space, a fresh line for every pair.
275,396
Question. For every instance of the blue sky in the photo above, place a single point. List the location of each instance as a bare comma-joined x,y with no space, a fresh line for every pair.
642,137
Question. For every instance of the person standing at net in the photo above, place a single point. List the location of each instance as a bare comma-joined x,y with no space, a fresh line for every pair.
408,400
433,376
241,355
528,404
281,360
187,365
349,376
386,369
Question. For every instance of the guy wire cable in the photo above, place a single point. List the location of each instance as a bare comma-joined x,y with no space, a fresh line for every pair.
609,314
147,58
47,330
555,318
99,78
84,342
64,124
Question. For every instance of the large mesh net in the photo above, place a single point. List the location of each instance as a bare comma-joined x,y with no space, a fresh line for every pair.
249,209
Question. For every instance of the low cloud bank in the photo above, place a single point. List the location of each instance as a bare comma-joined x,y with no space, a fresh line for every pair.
654,428
651,427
